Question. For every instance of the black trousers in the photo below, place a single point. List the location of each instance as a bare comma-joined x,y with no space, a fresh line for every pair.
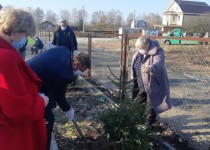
34,49
143,98
49,121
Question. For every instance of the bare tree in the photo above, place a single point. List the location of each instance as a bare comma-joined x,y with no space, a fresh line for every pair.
114,18
199,24
65,15
98,20
51,17
152,19
119,19
74,16
38,15
98,17
77,16
129,19
29,9
8,6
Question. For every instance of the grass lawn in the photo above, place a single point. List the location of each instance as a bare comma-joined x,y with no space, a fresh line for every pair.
31,41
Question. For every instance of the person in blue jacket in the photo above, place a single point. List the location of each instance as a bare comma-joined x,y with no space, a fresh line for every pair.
56,69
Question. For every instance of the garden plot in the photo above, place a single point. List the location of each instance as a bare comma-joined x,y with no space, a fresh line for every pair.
189,76
88,100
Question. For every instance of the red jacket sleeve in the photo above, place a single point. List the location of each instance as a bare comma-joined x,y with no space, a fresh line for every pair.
19,99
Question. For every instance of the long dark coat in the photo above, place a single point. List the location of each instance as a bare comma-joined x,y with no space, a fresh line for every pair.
65,38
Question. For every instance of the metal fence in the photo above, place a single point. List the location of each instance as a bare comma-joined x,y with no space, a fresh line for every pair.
188,68
189,77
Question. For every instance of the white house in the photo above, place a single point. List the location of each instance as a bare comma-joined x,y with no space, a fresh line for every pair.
183,14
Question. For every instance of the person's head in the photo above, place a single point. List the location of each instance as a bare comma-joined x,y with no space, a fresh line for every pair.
16,24
63,24
143,44
81,62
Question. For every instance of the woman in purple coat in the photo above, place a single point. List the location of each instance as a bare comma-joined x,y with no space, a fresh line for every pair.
150,77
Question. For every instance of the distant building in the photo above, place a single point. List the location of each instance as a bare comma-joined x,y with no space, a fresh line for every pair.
138,27
180,14
47,26
138,24
46,31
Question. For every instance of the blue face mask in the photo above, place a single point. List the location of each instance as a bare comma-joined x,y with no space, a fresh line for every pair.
78,72
21,43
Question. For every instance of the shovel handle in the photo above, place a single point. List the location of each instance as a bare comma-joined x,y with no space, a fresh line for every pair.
78,129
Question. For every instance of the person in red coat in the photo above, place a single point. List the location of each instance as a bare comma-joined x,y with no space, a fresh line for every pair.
22,125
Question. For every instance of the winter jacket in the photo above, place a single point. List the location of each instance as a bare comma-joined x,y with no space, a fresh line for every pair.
38,44
54,68
156,84
22,125
65,38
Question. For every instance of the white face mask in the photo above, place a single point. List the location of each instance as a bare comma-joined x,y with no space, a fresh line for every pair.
143,51
63,28
78,72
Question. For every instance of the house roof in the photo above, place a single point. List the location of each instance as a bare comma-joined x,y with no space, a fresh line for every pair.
47,22
193,7
47,26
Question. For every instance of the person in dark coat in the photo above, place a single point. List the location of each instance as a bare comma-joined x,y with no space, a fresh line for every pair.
37,46
150,77
56,68
64,36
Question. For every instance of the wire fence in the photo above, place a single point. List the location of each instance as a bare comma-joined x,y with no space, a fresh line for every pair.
189,77
188,68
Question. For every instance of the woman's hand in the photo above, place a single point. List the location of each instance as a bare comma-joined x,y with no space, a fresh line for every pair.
46,99
148,70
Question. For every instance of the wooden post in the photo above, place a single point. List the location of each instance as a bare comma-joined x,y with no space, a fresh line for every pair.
49,35
89,50
124,67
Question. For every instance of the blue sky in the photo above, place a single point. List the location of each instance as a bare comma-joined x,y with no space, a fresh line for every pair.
125,6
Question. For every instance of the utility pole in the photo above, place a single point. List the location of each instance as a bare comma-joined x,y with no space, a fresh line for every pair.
134,19
83,19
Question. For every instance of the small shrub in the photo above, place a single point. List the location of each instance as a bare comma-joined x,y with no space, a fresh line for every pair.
124,126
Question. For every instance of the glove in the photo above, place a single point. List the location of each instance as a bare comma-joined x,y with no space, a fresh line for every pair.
46,99
70,114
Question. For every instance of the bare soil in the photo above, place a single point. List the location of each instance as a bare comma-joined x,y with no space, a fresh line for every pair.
87,103
180,58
